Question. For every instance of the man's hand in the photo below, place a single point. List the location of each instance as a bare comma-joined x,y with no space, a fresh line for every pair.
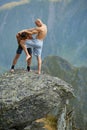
21,31
25,31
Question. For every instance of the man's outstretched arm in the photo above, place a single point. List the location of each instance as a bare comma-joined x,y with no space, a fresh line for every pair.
29,30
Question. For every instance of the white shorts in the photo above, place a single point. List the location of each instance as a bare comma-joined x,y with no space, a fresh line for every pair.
36,44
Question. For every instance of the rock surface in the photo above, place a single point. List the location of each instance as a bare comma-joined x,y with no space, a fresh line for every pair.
26,97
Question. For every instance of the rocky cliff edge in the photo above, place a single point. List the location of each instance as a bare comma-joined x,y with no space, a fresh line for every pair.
26,97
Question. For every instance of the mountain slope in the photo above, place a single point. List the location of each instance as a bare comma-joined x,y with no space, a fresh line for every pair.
77,77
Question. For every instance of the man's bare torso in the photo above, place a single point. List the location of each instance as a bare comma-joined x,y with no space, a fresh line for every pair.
42,31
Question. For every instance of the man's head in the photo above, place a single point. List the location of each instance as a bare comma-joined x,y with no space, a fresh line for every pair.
38,22
23,36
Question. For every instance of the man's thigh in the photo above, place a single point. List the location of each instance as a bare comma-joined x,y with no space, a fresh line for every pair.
19,50
29,51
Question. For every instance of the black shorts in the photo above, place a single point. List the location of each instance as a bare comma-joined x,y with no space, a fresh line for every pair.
19,50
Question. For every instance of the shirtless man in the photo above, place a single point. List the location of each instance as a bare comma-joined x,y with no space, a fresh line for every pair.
37,43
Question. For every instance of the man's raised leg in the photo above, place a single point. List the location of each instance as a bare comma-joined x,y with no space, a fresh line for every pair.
22,43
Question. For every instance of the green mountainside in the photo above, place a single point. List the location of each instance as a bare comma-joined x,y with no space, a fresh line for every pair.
67,38
77,77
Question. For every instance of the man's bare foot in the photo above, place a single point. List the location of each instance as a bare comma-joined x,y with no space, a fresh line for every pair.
12,70
38,72
28,57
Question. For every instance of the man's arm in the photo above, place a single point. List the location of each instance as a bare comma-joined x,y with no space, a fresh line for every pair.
30,31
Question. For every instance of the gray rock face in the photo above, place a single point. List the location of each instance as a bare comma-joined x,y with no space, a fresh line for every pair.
26,97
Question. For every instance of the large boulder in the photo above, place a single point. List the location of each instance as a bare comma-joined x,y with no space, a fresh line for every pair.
28,101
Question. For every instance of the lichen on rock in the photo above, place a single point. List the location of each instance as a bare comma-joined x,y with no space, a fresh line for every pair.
27,97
